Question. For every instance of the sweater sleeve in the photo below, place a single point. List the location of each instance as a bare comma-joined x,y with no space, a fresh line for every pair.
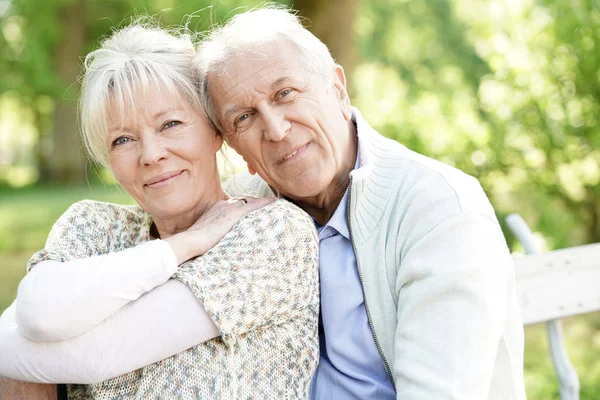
91,267
453,290
82,231
60,300
263,272
161,323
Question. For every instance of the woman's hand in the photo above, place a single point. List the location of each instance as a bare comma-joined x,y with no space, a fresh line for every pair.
206,232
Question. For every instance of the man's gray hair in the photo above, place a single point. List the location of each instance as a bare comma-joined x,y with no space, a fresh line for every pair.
244,34
133,59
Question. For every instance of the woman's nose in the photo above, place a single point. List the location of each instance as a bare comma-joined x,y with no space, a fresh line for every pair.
152,150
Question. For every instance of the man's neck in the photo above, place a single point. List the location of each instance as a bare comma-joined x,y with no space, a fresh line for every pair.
323,206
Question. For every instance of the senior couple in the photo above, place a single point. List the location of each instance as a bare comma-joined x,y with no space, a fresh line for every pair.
196,294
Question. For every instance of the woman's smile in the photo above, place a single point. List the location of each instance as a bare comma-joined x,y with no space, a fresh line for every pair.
163,180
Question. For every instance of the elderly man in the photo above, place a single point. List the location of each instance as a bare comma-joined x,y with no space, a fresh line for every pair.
417,284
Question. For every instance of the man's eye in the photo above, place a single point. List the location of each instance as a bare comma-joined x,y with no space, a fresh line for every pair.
171,124
120,140
242,118
285,92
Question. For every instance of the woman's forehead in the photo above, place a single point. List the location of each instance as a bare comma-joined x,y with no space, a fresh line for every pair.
146,103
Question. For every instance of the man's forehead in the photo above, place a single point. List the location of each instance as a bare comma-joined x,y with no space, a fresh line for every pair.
244,73
256,66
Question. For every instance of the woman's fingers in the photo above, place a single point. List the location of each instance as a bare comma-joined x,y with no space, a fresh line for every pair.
213,225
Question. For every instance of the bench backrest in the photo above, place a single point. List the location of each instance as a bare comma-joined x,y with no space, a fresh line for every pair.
558,283
554,285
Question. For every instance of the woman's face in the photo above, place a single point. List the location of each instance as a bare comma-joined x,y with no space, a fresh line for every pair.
163,153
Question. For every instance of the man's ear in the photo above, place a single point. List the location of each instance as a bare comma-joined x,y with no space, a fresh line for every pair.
339,83
250,169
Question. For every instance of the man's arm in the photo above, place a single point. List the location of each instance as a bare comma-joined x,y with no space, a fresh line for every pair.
453,291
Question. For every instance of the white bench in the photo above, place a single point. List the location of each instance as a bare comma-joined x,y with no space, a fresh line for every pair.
554,285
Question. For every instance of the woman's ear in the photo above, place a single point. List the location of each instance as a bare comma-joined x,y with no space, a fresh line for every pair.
218,141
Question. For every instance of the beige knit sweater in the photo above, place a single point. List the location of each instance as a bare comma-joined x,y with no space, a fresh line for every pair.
259,285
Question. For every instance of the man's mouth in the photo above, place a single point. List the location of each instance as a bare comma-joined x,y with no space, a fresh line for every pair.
293,153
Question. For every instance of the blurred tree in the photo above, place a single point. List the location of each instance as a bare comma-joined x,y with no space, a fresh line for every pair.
507,91
43,44
333,22
66,162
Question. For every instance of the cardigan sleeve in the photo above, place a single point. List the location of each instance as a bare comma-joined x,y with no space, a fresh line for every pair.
263,272
453,288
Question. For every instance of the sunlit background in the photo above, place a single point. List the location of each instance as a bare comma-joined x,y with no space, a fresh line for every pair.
506,90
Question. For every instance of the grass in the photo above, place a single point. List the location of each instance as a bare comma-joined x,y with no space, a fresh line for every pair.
26,216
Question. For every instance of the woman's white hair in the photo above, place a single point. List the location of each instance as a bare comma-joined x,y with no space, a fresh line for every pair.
134,58
246,33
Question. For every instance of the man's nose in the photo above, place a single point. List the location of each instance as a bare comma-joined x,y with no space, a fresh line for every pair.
276,126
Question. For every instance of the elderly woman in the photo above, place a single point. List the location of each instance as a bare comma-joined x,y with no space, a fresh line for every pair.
99,308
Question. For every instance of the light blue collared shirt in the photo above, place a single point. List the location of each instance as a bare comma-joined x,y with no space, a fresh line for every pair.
350,366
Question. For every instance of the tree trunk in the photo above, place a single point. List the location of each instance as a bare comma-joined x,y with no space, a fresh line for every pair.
332,21
67,161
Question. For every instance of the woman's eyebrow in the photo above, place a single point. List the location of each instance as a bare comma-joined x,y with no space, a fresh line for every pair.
161,113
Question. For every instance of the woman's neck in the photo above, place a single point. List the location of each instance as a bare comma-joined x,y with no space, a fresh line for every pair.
181,222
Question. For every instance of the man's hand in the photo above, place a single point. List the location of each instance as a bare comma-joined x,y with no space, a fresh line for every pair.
17,390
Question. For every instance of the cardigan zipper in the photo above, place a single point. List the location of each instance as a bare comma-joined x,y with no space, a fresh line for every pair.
385,363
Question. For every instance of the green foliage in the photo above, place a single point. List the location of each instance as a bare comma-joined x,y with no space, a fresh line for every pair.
506,91
26,217
35,74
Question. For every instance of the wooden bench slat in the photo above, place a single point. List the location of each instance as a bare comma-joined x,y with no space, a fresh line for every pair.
558,283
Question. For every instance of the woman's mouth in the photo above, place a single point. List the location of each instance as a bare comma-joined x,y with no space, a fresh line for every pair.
163,180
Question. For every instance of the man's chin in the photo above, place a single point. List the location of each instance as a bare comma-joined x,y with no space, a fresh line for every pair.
300,194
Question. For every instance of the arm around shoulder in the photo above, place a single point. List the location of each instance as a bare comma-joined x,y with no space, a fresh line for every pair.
89,269
262,272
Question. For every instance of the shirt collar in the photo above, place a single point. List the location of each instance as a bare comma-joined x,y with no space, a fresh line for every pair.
339,219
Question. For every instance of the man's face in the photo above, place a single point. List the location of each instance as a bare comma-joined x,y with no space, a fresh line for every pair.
291,127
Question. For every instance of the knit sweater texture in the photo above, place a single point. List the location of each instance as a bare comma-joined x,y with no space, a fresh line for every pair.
259,285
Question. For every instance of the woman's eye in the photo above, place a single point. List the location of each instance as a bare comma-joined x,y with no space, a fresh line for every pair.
171,124
120,140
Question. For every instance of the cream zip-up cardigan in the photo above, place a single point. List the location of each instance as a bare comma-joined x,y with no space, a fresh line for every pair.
437,276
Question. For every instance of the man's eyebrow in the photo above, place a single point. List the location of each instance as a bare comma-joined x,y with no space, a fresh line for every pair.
276,83
231,110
